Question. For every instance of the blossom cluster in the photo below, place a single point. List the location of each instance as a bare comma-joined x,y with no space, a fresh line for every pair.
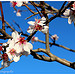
70,13
14,48
18,4
38,25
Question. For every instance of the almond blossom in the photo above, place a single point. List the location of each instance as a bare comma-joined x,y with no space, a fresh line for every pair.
16,46
34,39
18,13
12,51
54,37
70,14
17,3
37,25
73,6
21,43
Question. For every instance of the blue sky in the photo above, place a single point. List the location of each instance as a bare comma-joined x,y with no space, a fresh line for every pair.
59,26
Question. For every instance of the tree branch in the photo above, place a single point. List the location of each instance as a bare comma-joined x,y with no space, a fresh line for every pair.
3,25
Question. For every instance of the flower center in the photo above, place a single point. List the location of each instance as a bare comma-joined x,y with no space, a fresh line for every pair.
38,27
12,51
33,38
14,4
21,40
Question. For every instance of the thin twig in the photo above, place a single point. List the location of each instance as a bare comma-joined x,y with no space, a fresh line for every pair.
58,45
3,25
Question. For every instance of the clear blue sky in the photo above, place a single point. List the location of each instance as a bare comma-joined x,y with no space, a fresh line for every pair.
59,26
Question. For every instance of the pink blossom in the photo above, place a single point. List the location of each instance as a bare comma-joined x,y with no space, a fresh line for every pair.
37,25
70,14
34,39
54,37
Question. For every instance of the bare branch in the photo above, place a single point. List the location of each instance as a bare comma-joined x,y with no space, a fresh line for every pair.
3,25
29,8
58,45
5,34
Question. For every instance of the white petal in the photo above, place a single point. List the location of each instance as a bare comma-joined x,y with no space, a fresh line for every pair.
73,8
19,3
11,44
18,14
18,48
2,63
26,2
14,11
54,36
4,44
31,22
8,49
45,30
67,12
42,21
15,35
41,24
10,56
43,18
30,31
25,47
30,46
9,41
16,58
70,19
36,39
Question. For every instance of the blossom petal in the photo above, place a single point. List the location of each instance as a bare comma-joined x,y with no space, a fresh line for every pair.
19,3
70,19
10,56
25,47
4,44
18,48
30,46
9,41
41,23
67,12
18,14
26,2
30,31
16,58
11,44
43,18
15,35
45,30
31,22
